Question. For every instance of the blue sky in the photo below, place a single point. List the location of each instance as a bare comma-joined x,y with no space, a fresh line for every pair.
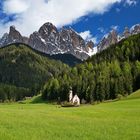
91,18
119,16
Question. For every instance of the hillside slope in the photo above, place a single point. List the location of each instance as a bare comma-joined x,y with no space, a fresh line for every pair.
68,59
134,95
23,67
104,76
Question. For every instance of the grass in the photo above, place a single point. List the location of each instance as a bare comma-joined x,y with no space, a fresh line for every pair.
134,95
34,100
105,121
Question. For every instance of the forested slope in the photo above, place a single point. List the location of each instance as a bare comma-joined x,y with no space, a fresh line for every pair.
104,76
114,71
21,66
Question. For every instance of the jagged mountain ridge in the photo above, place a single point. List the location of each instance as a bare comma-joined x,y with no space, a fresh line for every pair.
66,41
51,41
66,58
113,37
13,37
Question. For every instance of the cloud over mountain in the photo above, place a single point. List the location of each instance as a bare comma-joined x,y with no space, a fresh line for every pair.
31,14
86,35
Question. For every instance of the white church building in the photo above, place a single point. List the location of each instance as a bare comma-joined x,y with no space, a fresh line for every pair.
74,99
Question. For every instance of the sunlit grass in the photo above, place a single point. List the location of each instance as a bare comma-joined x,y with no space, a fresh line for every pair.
134,95
106,121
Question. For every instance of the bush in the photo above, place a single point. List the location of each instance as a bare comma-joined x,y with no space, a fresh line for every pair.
10,93
120,96
67,104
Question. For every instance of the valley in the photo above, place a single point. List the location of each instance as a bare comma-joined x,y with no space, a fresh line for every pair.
40,121
69,70
107,75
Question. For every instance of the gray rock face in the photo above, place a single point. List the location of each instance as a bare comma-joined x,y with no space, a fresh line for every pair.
13,37
126,32
4,40
135,29
74,43
25,39
46,40
89,46
51,41
113,37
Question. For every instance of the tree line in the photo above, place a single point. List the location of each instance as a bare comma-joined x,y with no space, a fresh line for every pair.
21,66
107,75
11,93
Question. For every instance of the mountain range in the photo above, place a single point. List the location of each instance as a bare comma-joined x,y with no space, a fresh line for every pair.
116,70
49,40
113,37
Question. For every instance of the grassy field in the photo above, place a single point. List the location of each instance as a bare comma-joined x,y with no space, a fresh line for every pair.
134,95
106,121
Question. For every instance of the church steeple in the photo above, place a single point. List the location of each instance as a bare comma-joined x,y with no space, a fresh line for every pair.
70,95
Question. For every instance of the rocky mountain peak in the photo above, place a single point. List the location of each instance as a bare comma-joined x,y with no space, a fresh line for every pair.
90,44
64,33
74,43
135,29
3,39
46,40
77,40
113,37
12,29
126,32
51,41
47,29
89,48
14,35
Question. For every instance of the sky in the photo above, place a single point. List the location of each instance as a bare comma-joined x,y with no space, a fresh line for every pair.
92,19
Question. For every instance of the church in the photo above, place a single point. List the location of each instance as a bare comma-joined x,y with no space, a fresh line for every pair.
74,99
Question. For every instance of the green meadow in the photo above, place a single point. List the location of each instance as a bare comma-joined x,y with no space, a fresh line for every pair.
105,121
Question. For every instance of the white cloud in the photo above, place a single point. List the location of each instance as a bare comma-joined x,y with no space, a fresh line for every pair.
15,6
31,14
86,35
130,2
115,27
101,29
94,39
